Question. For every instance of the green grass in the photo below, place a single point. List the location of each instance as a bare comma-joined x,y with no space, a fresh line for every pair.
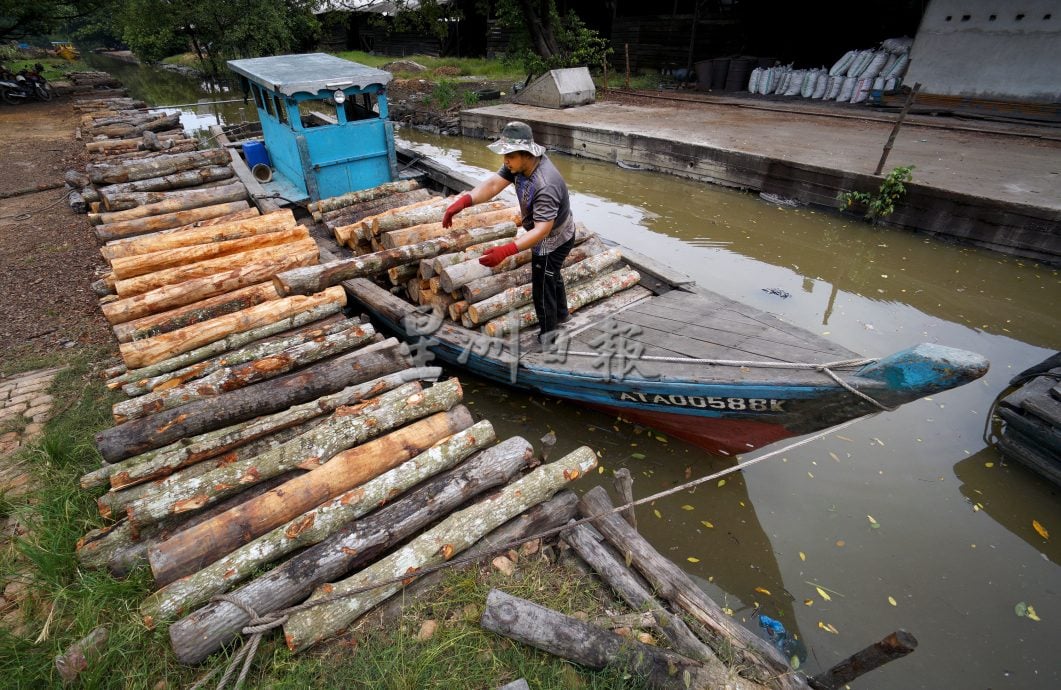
54,68
494,70
186,59
58,512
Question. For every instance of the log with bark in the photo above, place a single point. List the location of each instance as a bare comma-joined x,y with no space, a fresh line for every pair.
161,462
158,166
755,658
82,655
453,278
356,212
432,267
140,353
204,310
230,378
430,215
308,279
142,226
110,194
329,376
430,231
349,233
588,645
383,190
512,298
172,202
400,275
132,131
192,291
200,634
136,285
578,297
176,238
481,288
209,541
312,527
440,543
895,646
346,427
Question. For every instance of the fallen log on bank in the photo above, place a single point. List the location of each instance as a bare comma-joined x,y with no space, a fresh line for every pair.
142,226
204,631
440,543
140,353
197,548
329,376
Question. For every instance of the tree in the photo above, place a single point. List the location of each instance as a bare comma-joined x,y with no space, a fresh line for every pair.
20,19
547,40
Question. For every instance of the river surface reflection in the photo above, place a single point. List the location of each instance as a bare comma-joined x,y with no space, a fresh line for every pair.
905,520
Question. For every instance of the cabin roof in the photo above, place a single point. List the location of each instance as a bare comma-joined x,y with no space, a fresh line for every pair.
311,72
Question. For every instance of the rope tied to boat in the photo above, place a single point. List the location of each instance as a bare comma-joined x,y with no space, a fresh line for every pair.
826,368
258,625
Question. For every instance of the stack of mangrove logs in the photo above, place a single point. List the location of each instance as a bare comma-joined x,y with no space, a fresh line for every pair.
440,267
90,84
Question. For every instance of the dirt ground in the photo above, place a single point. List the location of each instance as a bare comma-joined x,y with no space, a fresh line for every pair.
48,256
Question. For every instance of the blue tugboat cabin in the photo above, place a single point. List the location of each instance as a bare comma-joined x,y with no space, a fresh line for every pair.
324,120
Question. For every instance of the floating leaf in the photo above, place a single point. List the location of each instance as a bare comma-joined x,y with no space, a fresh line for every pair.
802,556
794,661
600,470
810,475
891,600
1021,609
1040,529
763,590
657,513
989,464
721,482
823,594
977,507
693,559
707,524
827,627
1031,613
873,522
840,543
727,610
637,456
808,602
687,507
661,439
834,456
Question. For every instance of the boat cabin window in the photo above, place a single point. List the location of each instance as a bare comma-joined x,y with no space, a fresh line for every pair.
268,105
281,110
258,101
361,107
315,113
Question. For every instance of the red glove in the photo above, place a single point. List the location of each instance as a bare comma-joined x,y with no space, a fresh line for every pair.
462,202
496,255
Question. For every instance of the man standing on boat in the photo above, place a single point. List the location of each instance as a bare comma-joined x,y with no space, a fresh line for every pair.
546,211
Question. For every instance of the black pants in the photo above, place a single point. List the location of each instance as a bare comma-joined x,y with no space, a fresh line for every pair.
547,287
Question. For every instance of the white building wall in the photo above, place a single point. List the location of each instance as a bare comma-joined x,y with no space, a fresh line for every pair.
1005,49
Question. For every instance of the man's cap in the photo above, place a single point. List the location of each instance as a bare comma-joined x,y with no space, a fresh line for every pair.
516,136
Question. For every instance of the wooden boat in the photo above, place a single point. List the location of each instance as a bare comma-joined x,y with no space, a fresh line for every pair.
1031,419
679,358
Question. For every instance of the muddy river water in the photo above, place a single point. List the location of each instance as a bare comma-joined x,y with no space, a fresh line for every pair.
905,520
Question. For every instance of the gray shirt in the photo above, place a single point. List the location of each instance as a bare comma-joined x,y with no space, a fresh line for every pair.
543,196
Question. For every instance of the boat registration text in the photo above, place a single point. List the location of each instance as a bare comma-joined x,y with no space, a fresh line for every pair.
704,402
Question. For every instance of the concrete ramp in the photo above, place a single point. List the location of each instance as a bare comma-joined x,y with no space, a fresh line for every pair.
559,88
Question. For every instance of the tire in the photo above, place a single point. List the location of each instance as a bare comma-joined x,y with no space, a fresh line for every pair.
8,96
43,93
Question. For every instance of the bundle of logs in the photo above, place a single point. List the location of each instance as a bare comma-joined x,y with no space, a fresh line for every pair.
435,266
97,84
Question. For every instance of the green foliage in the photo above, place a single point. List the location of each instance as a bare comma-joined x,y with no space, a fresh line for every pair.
470,98
575,44
443,95
24,19
882,203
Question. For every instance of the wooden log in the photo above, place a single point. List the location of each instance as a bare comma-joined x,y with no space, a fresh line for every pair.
590,292
512,298
430,215
383,190
190,146
312,527
131,131
624,485
166,164
356,212
110,194
127,440
164,240
141,264
182,200
755,657
354,230
82,655
894,646
189,451
400,275
440,543
430,231
480,289
140,353
198,635
192,291
241,348
401,217
204,310
305,280
142,226
457,309
588,645
348,426
452,278
229,378
211,540
136,285
433,267
622,580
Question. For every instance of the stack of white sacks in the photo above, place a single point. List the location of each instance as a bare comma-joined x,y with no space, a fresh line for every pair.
850,80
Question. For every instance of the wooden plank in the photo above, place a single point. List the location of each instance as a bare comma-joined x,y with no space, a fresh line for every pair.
583,318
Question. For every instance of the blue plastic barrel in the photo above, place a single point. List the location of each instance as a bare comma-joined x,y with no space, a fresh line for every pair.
255,153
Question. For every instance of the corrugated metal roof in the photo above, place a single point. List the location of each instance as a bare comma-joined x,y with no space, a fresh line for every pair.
311,72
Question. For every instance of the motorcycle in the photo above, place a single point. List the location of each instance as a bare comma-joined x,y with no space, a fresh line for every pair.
16,88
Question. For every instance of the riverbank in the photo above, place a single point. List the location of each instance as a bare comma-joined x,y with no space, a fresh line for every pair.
963,189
